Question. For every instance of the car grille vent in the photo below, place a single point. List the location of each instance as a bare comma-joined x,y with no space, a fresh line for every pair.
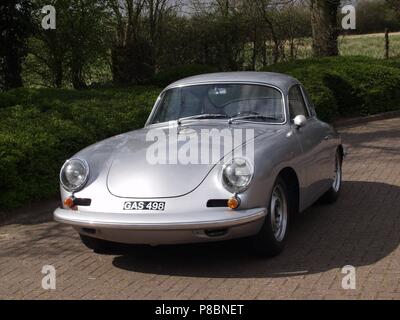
217,203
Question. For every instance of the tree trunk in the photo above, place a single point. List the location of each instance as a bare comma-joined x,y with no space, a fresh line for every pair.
292,55
264,52
275,40
77,77
324,14
12,71
58,73
255,50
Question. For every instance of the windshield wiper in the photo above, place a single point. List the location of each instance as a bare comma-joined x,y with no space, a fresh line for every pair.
203,116
252,116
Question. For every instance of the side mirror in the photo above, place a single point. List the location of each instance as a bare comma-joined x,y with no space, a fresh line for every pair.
300,121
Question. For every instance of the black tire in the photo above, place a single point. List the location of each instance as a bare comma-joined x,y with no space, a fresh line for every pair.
332,195
267,243
97,245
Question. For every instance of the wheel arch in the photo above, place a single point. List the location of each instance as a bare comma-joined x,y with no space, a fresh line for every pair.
291,179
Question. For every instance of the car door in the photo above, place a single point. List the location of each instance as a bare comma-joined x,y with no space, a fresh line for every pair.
311,139
328,148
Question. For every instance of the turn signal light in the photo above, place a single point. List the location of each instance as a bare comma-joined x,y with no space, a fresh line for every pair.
69,202
233,203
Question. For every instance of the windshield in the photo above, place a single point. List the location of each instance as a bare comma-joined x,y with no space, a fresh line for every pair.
218,101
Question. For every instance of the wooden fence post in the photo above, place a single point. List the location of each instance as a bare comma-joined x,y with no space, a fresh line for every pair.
386,43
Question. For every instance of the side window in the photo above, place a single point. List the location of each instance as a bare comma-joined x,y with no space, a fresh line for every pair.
297,105
311,106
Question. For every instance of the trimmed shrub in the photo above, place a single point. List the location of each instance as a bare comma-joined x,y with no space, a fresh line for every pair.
45,127
168,76
41,128
347,86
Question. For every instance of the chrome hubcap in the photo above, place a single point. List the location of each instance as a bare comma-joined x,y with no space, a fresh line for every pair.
338,176
278,213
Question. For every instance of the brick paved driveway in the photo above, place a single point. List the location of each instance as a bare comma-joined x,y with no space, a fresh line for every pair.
362,229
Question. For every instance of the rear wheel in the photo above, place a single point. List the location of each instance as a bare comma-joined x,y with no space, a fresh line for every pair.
271,239
333,193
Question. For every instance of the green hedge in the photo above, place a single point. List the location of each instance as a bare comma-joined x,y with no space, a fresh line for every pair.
40,129
347,86
170,75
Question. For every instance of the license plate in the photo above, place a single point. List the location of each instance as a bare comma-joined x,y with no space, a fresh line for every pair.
144,206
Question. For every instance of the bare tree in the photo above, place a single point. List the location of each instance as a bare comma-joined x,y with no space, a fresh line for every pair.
157,11
127,14
265,7
139,36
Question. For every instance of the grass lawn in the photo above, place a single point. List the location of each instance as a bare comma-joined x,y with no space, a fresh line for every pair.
369,45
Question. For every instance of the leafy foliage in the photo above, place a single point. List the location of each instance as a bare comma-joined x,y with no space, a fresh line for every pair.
347,86
15,27
376,15
75,49
40,129
173,74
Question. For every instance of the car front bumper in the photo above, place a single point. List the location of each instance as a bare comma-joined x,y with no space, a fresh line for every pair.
162,228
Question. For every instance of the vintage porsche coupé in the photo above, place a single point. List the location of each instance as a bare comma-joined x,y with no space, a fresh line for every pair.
112,192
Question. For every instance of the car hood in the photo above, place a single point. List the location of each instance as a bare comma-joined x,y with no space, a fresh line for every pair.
131,175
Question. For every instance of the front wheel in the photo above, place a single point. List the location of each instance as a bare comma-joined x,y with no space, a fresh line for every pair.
333,193
271,239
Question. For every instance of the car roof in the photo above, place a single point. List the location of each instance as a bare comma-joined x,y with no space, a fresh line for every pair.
282,81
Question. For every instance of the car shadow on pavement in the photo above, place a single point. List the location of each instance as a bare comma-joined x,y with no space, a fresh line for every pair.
31,214
360,229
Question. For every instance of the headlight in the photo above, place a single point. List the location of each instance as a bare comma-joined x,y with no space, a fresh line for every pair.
237,175
74,174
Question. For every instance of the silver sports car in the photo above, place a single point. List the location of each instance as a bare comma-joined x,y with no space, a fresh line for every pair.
222,156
